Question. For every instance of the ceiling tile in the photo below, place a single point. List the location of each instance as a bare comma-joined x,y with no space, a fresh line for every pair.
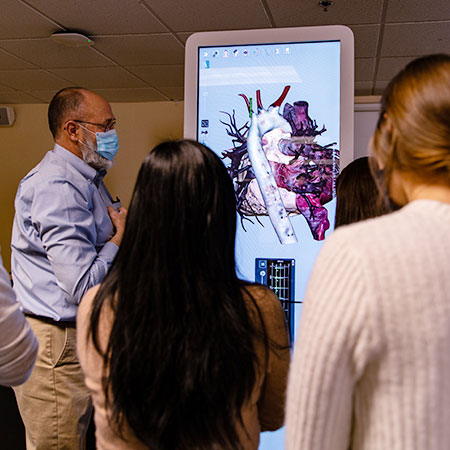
5,88
380,86
48,54
19,21
203,15
363,87
417,10
174,93
44,94
364,69
30,79
100,16
131,95
288,13
11,62
184,36
142,50
365,40
127,34
416,39
160,75
15,97
100,77
389,67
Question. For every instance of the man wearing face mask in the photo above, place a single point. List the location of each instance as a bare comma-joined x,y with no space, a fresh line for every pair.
66,233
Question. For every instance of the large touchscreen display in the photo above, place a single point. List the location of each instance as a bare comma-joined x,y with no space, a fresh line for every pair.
284,166
272,113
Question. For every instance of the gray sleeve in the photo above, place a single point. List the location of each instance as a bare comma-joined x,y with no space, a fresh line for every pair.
18,344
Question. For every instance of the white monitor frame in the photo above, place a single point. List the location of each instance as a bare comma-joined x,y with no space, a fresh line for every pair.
275,35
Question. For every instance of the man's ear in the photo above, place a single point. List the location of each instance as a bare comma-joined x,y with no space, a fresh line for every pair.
71,128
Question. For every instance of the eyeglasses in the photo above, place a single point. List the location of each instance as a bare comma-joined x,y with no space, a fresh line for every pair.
105,127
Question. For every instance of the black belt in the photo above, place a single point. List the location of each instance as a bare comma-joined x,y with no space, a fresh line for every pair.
58,323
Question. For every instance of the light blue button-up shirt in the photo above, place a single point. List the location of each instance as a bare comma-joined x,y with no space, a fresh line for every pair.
60,235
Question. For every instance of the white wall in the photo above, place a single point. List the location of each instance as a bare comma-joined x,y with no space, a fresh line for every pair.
366,117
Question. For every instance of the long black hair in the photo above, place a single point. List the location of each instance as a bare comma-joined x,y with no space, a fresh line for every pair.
180,362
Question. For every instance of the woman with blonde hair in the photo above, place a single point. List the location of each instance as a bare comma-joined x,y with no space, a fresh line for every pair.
371,367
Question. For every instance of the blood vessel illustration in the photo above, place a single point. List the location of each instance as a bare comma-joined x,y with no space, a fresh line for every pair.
278,168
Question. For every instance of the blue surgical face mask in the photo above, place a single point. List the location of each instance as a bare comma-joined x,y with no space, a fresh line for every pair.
107,144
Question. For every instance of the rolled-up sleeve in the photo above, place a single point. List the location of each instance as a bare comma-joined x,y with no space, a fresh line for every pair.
18,344
63,217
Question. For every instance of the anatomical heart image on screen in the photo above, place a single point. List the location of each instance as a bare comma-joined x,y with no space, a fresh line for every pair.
278,168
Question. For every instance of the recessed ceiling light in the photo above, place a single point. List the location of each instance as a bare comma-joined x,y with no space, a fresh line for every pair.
72,39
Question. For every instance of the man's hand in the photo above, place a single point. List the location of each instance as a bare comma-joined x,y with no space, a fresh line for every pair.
118,219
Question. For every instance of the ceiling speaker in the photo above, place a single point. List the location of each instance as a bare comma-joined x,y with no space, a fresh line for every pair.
7,116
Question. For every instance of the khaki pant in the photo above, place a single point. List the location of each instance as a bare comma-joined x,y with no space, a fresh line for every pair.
54,403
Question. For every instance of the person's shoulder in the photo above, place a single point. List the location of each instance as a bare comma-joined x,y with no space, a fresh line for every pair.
258,291
262,296
53,167
366,232
419,217
49,170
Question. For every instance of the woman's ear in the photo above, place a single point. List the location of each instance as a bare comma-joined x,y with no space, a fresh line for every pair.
388,122
373,153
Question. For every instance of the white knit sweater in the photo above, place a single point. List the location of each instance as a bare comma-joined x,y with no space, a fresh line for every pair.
371,366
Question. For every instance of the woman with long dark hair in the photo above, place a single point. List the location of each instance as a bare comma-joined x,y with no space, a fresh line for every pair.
357,196
177,351
371,369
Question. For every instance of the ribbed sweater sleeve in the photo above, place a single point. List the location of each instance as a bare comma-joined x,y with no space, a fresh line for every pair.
335,341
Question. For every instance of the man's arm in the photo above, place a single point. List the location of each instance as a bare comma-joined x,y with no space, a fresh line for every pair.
18,344
63,216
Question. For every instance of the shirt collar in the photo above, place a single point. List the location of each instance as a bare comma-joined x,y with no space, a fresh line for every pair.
85,169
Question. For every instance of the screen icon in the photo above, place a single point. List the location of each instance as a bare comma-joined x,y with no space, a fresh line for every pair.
236,53
204,123
207,64
245,52
225,53
215,53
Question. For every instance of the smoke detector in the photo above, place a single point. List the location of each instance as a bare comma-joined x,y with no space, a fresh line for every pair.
325,4
72,39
